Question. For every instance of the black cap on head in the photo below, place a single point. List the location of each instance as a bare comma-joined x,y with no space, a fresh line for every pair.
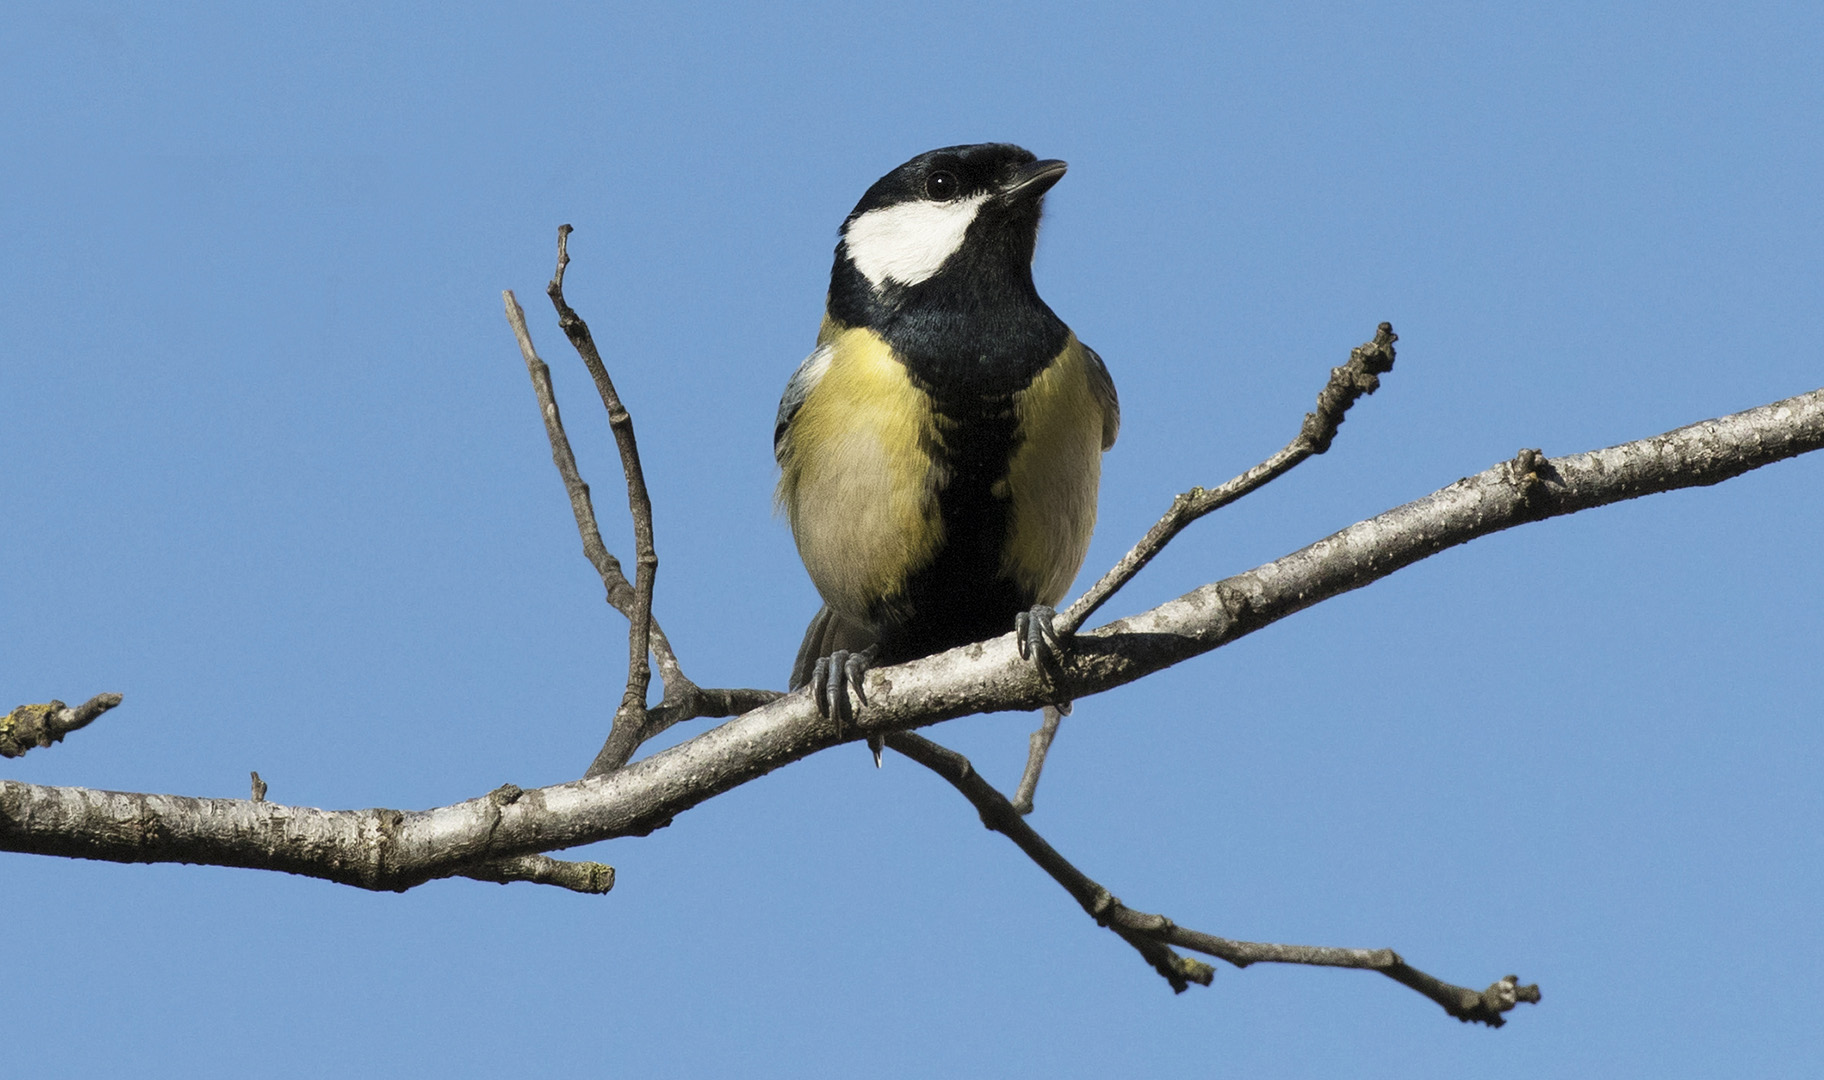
959,172
953,227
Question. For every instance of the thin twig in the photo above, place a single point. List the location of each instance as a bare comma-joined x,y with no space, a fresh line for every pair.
1038,745
1152,934
614,581
683,699
30,726
623,596
646,559
999,815
582,877
1361,375
1461,1002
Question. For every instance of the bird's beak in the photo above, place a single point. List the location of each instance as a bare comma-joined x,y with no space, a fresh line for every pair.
1035,179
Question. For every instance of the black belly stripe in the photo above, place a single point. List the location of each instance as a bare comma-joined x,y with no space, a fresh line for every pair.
972,338
961,596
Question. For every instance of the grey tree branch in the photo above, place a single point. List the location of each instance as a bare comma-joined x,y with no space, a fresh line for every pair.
390,849
31,726
1361,375
631,716
1484,1006
690,703
1000,816
683,700
582,877
1152,935
1038,745
614,581
351,847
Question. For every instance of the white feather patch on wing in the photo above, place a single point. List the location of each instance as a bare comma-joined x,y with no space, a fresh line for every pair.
910,242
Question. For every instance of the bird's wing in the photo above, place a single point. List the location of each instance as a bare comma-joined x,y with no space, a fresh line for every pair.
797,389
1103,387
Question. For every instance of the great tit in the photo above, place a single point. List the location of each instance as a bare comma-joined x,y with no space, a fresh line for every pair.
940,449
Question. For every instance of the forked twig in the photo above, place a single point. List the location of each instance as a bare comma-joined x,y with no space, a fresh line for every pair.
634,723
1152,935
625,598
639,503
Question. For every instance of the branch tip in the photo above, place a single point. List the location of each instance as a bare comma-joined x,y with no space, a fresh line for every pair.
1361,375
31,727
583,877
556,288
1196,971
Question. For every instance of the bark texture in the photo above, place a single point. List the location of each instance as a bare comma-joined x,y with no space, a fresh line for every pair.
392,849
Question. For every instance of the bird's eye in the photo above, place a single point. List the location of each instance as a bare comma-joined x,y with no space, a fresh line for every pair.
942,186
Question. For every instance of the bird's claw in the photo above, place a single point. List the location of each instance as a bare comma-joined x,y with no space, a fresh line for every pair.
1037,638
834,678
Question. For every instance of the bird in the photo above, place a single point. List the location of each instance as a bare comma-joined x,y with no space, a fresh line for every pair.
940,449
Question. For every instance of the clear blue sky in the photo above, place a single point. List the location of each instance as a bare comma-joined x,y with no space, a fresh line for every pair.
272,470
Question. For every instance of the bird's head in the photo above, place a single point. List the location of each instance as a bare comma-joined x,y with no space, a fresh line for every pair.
961,210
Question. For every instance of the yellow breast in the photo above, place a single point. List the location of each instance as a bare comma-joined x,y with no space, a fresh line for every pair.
857,478
1053,476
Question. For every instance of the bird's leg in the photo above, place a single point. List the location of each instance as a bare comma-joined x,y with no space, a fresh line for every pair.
1037,638
834,678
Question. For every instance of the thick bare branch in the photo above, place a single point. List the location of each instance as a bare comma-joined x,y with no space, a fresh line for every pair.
1361,375
31,726
388,849
1151,934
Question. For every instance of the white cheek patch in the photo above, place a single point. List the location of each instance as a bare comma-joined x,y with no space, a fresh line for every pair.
908,243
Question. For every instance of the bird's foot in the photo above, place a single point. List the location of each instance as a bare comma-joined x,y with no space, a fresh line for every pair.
835,678
1038,639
